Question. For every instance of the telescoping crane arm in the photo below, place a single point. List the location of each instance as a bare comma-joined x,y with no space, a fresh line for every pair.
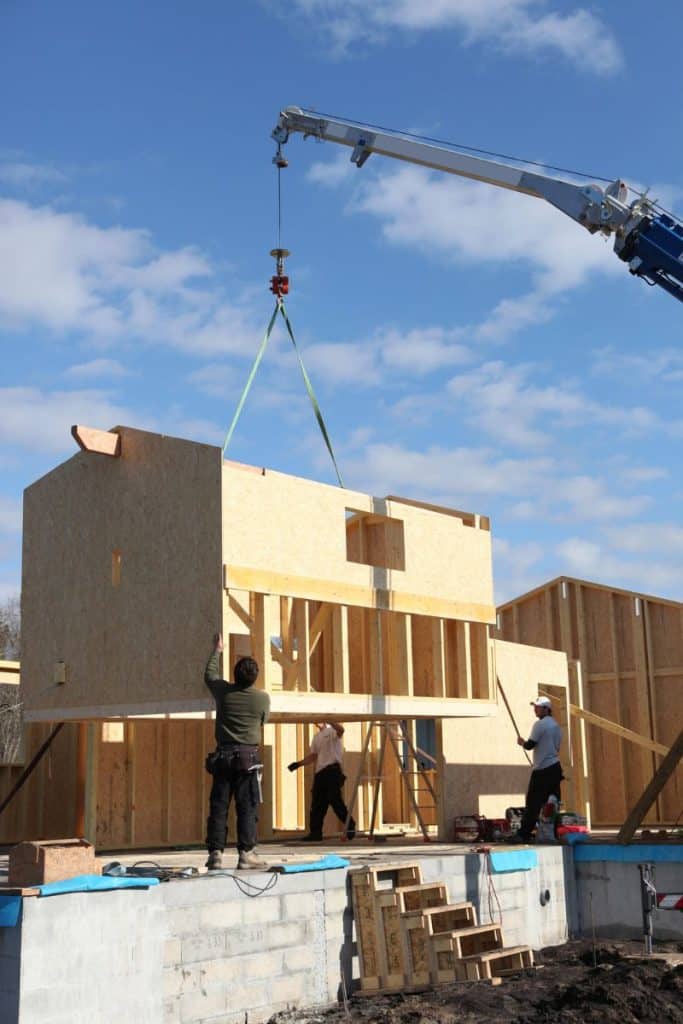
648,239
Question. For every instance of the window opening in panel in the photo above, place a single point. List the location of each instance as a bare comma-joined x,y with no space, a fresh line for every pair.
375,540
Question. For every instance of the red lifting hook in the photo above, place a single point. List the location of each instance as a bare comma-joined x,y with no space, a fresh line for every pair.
279,283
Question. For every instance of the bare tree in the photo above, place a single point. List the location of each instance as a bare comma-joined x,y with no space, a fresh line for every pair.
10,697
10,629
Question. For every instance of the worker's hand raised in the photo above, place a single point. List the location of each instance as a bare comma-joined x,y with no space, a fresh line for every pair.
218,641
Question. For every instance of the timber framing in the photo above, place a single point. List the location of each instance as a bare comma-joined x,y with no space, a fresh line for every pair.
363,607
359,609
630,648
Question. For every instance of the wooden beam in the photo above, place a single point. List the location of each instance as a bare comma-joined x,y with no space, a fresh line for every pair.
237,577
618,730
104,442
320,620
579,757
652,791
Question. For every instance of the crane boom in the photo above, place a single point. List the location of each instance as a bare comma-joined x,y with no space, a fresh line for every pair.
649,240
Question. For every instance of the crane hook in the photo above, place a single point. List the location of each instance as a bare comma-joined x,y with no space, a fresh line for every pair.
279,283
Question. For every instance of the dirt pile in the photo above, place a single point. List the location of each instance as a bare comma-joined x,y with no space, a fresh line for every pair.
572,984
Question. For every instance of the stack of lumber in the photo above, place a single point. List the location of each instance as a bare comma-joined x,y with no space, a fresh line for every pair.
411,936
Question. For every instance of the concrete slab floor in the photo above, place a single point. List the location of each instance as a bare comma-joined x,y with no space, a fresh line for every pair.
359,852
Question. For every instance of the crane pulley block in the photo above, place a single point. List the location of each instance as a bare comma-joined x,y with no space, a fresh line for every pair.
279,282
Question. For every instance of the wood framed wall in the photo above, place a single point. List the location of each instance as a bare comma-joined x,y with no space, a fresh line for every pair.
134,557
630,647
141,783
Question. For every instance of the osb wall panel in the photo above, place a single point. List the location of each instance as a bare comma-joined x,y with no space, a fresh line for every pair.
135,635
294,541
484,770
631,649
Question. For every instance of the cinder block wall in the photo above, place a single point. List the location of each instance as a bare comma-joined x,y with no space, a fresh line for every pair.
204,951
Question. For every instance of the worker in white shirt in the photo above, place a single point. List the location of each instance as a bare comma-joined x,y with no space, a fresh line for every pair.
327,754
544,742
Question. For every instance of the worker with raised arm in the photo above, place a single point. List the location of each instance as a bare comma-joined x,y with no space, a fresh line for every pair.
241,713
327,754
546,776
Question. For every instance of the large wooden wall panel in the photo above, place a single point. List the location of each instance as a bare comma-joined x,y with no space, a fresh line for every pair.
630,647
293,541
139,637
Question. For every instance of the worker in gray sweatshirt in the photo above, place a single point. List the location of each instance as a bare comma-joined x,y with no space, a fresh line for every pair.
241,713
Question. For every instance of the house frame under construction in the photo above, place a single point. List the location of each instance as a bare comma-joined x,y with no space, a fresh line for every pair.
371,611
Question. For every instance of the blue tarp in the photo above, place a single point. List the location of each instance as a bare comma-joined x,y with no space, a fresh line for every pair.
513,860
10,907
94,883
322,864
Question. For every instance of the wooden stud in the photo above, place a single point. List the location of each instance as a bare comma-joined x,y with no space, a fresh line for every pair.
91,776
104,442
340,649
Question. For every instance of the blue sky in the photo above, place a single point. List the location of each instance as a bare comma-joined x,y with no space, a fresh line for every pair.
468,345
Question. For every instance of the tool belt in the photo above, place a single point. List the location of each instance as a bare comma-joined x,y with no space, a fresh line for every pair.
238,757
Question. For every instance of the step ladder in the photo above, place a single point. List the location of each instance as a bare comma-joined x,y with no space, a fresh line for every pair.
393,735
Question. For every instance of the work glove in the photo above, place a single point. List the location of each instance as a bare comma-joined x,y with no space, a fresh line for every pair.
294,765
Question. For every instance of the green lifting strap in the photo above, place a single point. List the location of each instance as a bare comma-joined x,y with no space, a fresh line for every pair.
280,308
311,394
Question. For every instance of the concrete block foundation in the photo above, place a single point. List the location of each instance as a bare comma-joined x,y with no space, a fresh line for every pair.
216,949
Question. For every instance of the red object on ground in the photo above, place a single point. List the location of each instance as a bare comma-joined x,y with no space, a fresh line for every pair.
563,830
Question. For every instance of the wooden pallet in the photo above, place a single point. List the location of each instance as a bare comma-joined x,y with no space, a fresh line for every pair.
378,930
418,927
495,963
421,897
450,948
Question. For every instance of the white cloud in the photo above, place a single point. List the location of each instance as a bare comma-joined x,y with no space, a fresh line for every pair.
470,222
505,403
41,421
95,368
516,567
665,364
521,27
643,474
597,562
389,350
24,175
588,498
645,538
450,476
10,514
62,273
332,173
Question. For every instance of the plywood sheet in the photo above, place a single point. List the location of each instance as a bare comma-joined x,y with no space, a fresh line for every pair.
484,771
134,633
295,537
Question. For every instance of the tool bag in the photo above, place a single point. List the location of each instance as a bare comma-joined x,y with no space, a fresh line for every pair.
240,757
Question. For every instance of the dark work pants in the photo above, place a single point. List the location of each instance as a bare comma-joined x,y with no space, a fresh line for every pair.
544,783
228,783
327,785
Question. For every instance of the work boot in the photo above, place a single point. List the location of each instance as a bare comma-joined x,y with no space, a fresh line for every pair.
519,838
351,830
215,860
249,861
